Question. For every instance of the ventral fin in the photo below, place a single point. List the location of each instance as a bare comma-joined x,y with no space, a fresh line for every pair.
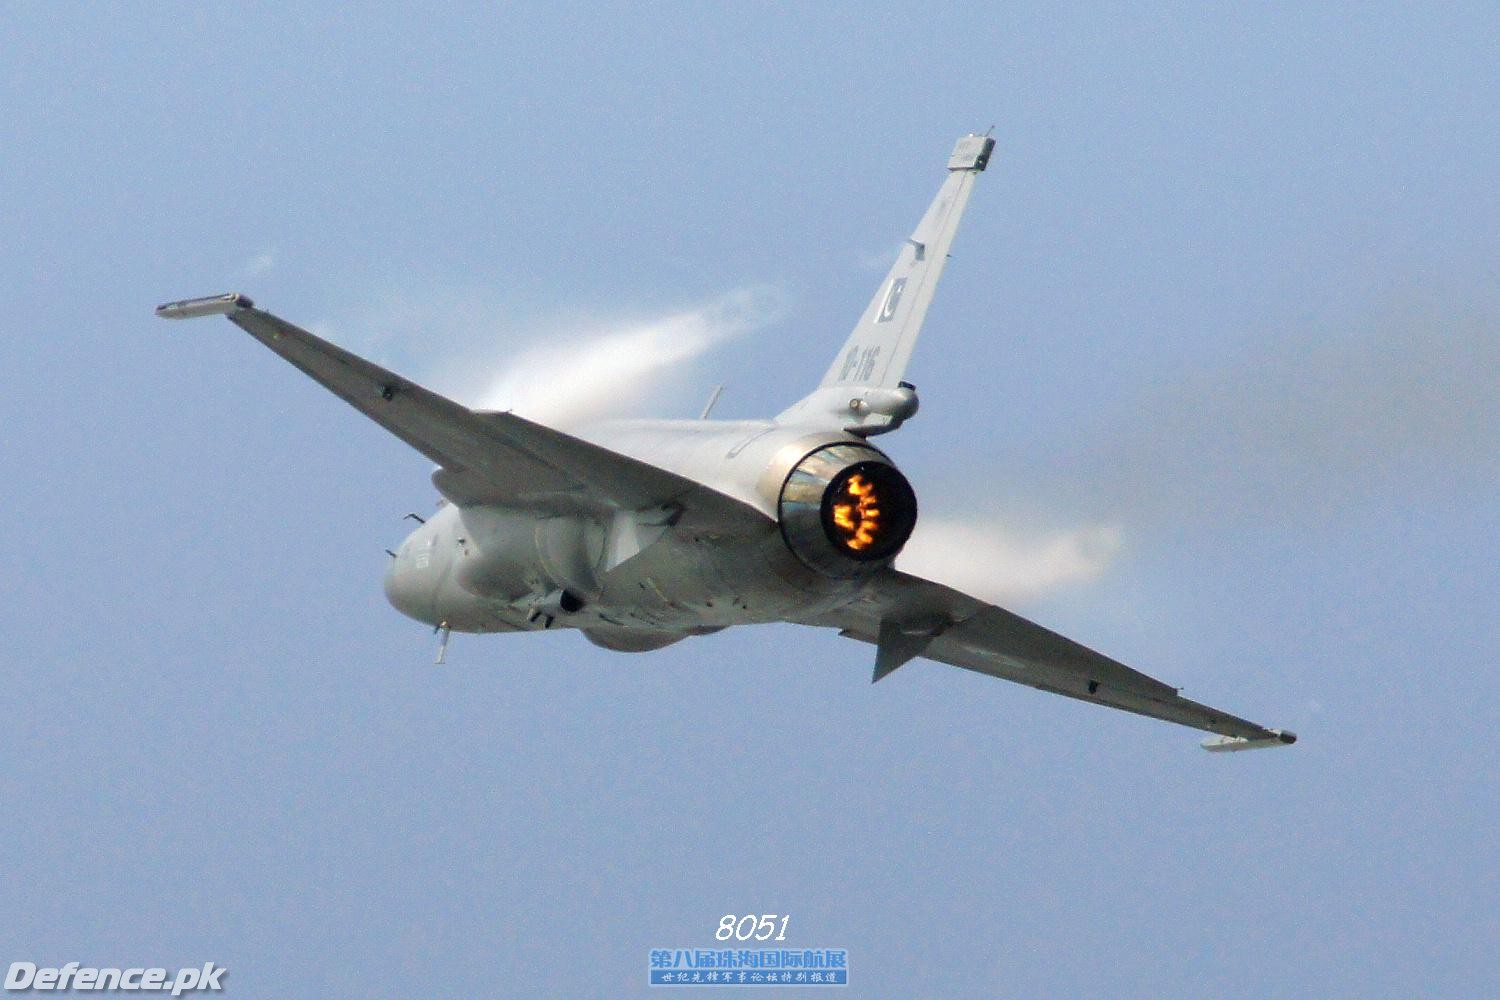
898,644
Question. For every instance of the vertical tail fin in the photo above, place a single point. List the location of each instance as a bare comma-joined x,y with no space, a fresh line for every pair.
863,387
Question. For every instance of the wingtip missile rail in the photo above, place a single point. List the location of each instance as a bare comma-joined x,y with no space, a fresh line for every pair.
213,305
1233,744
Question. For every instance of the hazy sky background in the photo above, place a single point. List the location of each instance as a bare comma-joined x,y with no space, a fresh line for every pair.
1210,385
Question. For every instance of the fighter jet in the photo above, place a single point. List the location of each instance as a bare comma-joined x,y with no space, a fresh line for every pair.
642,533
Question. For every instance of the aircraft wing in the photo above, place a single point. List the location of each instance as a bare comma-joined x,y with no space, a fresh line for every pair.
906,616
485,457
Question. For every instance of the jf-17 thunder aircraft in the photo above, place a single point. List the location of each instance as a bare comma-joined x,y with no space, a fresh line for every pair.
642,533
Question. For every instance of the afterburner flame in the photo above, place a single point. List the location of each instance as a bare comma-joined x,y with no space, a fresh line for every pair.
859,521
845,510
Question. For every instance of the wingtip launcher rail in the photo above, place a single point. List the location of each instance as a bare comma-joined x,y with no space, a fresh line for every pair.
213,305
1231,744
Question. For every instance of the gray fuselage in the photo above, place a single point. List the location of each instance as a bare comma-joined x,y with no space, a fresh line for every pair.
486,568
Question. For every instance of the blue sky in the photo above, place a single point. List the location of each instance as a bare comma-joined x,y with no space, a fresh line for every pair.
1225,307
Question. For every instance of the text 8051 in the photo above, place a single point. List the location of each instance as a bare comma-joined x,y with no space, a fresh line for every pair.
752,927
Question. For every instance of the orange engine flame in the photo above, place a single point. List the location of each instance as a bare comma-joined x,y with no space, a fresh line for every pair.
860,521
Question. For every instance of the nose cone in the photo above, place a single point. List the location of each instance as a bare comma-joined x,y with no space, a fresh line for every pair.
409,589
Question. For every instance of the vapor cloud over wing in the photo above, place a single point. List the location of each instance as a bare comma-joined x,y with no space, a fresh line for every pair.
563,369
1006,564
612,368
559,367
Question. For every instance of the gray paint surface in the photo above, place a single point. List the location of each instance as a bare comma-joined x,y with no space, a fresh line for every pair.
669,534
1232,291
